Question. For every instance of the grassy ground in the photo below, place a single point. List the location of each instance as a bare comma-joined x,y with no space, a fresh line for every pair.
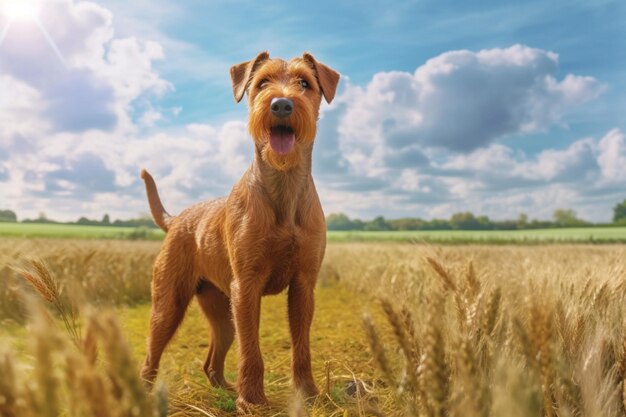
540,236
341,354
503,331
337,339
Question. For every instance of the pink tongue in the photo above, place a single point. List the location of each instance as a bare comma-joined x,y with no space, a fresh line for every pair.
282,141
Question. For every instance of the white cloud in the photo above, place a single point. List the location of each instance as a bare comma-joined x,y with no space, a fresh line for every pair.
459,100
189,164
612,158
150,117
576,163
21,107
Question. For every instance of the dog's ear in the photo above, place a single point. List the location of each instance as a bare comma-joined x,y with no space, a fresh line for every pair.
328,77
240,74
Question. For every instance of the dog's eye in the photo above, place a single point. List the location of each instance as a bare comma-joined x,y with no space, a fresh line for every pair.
304,84
263,82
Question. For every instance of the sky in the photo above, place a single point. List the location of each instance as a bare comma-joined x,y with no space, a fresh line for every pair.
496,107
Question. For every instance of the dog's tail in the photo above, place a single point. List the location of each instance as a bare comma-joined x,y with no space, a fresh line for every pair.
159,215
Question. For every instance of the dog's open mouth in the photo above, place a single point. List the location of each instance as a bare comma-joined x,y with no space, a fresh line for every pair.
282,139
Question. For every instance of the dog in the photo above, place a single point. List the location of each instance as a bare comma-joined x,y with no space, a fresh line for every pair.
268,235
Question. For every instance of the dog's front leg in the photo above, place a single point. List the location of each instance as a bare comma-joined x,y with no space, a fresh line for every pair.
246,305
301,305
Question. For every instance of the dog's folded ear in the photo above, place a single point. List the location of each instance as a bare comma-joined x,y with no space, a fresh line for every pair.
240,74
328,77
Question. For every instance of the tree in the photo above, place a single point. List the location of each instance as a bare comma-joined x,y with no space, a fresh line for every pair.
377,224
466,221
407,224
567,218
106,220
484,223
619,212
522,221
338,221
358,224
438,224
8,216
84,221
41,219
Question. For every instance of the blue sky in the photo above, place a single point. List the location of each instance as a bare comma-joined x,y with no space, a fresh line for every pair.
496,107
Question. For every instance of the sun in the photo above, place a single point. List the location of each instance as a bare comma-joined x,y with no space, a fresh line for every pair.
26,11
20,10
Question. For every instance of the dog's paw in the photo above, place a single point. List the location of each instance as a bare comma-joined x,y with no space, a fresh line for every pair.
148,375
251,406
307,389
219,381
228,386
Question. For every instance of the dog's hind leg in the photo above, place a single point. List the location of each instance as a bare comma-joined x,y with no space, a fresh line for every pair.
173,286
216,307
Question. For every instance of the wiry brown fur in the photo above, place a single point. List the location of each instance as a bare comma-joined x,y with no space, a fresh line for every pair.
267,235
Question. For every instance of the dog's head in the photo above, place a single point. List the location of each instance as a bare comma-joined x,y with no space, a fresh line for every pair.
284,99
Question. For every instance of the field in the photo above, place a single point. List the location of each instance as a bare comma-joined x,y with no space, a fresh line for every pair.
400,330
539,236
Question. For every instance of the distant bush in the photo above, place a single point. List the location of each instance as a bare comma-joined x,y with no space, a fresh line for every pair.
567,218
140,233
619,213
8,216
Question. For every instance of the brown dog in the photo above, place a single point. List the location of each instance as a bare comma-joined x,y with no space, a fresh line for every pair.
267,235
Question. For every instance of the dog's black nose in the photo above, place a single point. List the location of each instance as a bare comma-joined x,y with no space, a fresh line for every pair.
281,107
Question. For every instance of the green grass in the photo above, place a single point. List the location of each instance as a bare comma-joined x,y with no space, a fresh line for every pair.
539,236
32,230
570,235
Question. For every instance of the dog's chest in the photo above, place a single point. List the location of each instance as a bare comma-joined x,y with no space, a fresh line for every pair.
282,254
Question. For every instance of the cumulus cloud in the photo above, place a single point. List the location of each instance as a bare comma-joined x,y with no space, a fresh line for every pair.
586,175
584,161
577,163
21,109
612,156
192,163
459,101
83,174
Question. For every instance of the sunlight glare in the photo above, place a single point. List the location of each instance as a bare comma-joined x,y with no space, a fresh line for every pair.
20,10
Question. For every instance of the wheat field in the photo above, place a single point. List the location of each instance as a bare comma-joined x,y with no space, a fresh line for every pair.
400,330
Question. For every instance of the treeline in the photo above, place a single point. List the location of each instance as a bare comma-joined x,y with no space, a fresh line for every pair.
10,216
468,221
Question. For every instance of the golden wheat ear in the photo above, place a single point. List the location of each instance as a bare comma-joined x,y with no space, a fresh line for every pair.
48,287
